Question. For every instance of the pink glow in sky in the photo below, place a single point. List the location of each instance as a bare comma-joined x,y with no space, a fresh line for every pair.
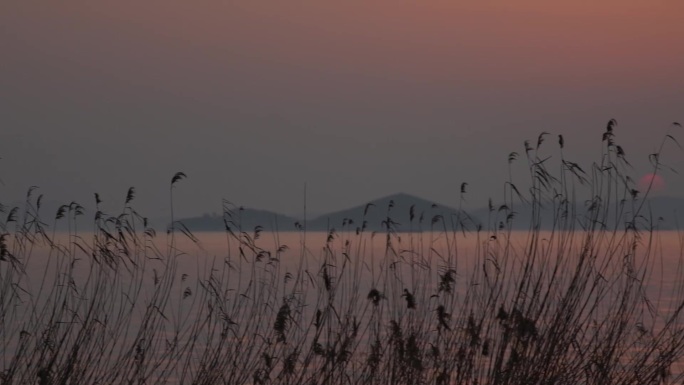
355,98
654,181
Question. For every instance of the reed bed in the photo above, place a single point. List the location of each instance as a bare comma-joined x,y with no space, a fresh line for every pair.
575,300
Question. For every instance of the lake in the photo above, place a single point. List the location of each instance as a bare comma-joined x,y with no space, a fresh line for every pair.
344,307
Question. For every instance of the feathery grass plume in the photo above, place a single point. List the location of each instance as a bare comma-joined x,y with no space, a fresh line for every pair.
485,347
375,357
413,353
368,206
327,279
282,320
512,157
443,317
502,315
410,299
76,208
397,336
177,177
129,195
4,251
447,280
319,318
571,302
290,363
540,139
12,215
61,211
528,148
374,295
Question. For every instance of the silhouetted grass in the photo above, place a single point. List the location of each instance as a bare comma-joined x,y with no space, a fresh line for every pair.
576,304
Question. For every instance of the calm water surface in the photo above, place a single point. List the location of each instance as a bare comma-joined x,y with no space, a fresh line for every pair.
352,263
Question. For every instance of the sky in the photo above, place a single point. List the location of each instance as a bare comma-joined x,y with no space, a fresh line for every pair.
253,100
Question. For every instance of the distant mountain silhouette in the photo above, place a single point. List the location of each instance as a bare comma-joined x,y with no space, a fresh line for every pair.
407,213
666,212
245,219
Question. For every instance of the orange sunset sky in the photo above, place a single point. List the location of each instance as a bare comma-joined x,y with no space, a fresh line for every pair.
358,99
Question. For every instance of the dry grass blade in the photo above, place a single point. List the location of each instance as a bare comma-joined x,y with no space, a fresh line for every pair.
574,298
